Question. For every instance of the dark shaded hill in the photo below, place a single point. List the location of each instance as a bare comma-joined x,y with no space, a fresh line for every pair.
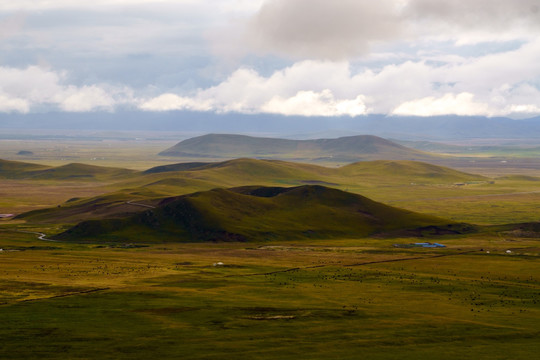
255,214
176,167
178,179
350,148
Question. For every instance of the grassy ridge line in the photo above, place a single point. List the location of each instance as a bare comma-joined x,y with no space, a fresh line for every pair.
344,148
167,181
252,214
73,171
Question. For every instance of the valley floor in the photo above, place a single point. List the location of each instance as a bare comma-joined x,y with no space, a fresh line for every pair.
477,298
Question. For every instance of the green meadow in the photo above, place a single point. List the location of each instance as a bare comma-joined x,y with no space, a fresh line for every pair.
296,297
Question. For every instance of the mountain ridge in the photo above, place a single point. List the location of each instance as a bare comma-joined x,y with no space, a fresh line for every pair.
348,148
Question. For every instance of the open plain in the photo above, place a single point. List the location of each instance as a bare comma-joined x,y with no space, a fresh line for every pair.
314,296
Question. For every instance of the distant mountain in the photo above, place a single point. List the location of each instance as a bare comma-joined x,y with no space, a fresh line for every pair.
438,128
350,148
258,213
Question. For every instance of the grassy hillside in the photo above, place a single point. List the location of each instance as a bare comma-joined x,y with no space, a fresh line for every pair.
255,213
415,171
16,169
168,181
73,171
80,171
117,204
349,148
239,172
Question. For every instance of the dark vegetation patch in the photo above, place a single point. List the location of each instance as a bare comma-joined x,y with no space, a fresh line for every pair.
261,213
176,167
28,248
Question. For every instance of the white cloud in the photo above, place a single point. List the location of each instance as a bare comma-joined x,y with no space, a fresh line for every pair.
86,98
495,84
291,91
168,102
24,90
309,103
348,29
9,104
449,104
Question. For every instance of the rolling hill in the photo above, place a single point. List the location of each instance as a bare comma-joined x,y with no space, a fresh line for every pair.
73,171
350,148
412,171
17,169
256,214
80,171
179,179
271,172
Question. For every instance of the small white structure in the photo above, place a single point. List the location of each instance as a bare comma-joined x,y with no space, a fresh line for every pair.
218,264
508,251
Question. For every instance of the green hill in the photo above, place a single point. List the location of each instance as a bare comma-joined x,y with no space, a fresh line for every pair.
21,170
16,169
409,171
350,148
240,172
80,171
256,214
169,181
117,204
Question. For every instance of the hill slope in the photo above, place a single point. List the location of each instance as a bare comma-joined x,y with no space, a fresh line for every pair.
80,171
256,213
350,148
21,170
408,171
16,169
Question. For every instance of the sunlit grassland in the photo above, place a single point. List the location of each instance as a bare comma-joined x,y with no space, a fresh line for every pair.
131,154
339,299
493,201
17,196
271,300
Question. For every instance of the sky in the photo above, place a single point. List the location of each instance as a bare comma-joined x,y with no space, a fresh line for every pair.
288,57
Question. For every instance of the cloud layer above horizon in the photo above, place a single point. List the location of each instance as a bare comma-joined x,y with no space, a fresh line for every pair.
289,57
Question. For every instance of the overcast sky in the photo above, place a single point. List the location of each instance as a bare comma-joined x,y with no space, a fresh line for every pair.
291,57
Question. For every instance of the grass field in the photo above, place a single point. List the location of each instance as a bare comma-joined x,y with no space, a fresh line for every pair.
478,298
344,300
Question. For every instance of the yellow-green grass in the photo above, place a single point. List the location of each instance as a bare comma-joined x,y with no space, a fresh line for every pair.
18,196
256,213
317,300
349,148
131,154
415,186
